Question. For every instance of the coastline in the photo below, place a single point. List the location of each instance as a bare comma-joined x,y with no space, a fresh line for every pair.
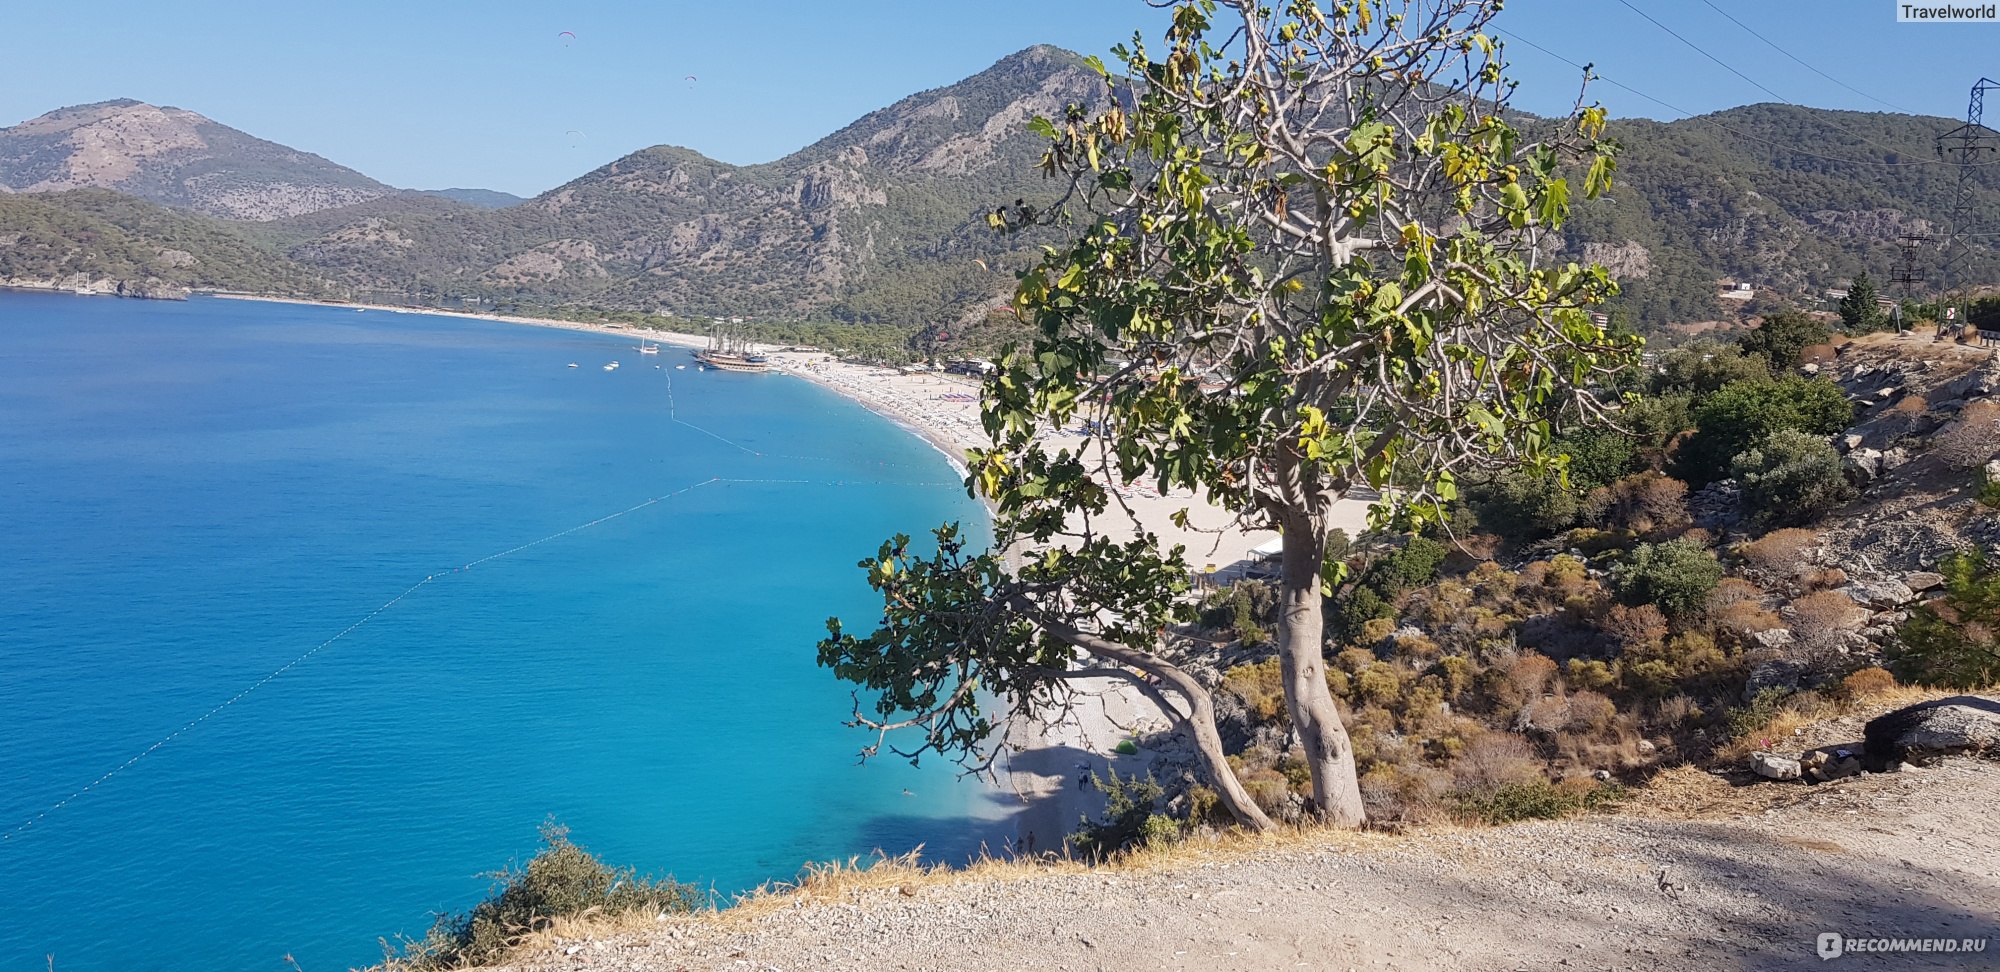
1042,762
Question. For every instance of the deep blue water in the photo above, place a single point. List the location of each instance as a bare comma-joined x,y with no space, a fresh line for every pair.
194,494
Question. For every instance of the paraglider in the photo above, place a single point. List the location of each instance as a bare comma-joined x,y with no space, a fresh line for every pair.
571,36
982,264
690,78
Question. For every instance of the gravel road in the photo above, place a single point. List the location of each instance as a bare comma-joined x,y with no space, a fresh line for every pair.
1747,881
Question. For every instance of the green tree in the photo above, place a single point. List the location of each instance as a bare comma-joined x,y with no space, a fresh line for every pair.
1954,640
1859,312
1703,367
1782,338
1273,307
1789,479
1745,413
1676,577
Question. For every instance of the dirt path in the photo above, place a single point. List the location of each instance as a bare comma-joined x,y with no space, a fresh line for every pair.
1749,885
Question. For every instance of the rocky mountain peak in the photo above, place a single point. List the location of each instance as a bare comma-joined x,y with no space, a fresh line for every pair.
176,157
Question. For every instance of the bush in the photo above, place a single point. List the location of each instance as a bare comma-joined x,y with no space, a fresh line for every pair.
1972,440
1676,577
562,880
1523,505
1538,800
1780,552
1745,413
1129,802
1820,622
1596,458
1790,478
1260,686
1954,641
1782,337
1866,682
1703,367
1646,503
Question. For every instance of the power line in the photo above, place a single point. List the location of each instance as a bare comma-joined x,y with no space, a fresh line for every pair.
1686,113
1627,4
1774,45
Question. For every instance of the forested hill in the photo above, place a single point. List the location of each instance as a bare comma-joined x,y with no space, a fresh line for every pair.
882,221
1788,199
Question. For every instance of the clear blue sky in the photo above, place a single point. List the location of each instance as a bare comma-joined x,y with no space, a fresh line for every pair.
427,93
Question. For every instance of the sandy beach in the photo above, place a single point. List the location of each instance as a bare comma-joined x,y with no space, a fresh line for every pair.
1043,761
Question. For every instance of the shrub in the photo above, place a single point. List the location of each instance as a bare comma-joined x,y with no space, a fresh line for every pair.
1596,457
1866,682
1635,627
1954,640
1745,413
1494,760
1261,687
1128,810
1780,552
1790,478
1538,800
561,881
1412,565
1703,367
1646,503
1676,577
1524,505
1588,675
1763,708
1782,337
1972,440
1821,621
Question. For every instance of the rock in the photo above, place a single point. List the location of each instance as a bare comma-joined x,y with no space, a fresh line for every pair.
1821,766
1992,472
1809,368
1601,775
1885,394
1924,580
1774,767
1862,466
1961,723
1895,458
1778,674
1850,442
1646,748
1879,594
1773,638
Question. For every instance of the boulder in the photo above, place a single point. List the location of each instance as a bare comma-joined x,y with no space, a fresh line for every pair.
1895,458
1880,594
1961,723
1862,466
1850,442
1773,638
1821,766
1777,674
1924,580
1809,368
1772,766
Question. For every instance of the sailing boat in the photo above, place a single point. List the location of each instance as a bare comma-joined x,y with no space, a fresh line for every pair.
646,346
730,351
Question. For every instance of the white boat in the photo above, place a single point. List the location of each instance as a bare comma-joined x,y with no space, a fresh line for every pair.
680,367
613,366
647,347
572,364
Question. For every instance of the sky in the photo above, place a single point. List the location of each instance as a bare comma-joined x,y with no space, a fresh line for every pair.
442,93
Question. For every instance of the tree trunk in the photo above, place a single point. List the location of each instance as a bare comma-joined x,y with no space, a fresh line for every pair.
1301,633
1200,718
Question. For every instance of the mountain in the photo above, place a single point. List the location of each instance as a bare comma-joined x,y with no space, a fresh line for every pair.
96,239
483,198
174,157
882,221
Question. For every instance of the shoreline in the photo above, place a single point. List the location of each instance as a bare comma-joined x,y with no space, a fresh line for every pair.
1041,761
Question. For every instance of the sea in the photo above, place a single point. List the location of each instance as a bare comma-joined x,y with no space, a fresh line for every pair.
311,619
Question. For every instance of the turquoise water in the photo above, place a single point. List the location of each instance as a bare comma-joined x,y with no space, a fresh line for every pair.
195,494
